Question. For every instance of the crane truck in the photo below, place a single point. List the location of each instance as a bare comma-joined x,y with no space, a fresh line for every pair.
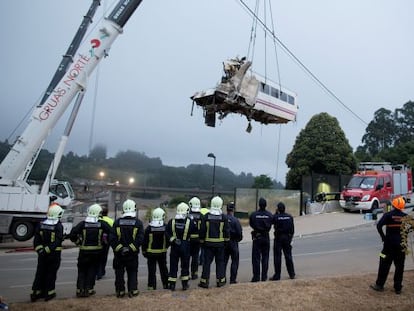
23,205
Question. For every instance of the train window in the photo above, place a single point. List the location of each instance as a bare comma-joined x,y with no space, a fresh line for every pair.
283,96
274,92
291,100
265,88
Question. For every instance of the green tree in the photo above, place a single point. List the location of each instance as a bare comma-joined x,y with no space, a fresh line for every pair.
321,147
98,153
380,132
262,182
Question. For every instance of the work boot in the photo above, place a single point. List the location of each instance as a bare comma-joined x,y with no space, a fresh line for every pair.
120,294
185,285
377,288
171,286
194,276
133,293
50,297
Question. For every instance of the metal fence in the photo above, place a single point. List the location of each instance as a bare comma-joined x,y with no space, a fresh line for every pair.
247,200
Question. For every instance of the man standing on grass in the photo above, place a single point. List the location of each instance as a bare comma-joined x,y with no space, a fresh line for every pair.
261,222
284,231
392,250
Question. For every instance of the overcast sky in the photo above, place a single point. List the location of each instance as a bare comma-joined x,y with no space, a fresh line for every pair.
361,50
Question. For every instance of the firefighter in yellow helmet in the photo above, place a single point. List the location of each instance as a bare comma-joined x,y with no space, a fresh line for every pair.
214,235
47,243
88,235
392,250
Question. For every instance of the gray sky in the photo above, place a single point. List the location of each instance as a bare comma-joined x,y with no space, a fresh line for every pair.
361,50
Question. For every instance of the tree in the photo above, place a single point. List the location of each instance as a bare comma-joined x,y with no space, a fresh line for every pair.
321,147
262,182
380,133
98,153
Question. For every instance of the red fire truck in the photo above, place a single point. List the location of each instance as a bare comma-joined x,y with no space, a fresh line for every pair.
375,185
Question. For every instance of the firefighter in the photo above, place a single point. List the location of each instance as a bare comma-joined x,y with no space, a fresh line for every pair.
155,247
101,269
392,250
47,243
261,222
178,232
214,234
195,215
284,231
126,238
232,247
89,236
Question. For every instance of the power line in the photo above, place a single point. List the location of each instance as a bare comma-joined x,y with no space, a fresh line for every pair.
301,64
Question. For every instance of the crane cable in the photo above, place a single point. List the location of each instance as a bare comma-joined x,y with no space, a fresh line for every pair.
300,63
252,44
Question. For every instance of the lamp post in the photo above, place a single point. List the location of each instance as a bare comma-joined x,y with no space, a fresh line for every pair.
211,155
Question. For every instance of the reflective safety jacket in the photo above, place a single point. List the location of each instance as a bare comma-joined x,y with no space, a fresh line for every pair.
214,230
89,235
180,229
155,241
48,238
127,232
196,218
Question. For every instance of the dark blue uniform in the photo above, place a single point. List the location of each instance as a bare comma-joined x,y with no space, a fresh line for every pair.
392,250
232,247
261,222
284,231
126,238
195,244
154,249
89,236
178,234
48,244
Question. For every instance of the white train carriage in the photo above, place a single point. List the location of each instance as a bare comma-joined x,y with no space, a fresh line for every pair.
248,94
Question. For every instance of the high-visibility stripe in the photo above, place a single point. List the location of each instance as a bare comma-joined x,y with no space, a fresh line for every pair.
221,235
134,233
118,247
47,249
53,237
186,229
185,277
38,247
171,279
132,246
155,250
90,247
383,255
118,232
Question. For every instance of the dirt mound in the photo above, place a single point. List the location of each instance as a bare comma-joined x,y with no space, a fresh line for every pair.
323,294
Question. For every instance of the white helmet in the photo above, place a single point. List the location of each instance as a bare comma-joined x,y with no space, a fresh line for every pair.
182,210
158,216
55,212
216,205
129,208
94,211
195,204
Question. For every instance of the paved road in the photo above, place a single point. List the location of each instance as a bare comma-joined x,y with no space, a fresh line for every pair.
335,253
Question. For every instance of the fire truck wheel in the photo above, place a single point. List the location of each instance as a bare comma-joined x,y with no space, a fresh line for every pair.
22,230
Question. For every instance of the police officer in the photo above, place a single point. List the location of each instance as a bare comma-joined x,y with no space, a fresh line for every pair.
232,247
195,216
126,239
101,269
284,231
261,222
178,232
47,243
88,235
392,250
155,247
214,234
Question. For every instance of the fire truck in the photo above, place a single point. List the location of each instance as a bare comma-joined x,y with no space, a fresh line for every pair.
22,204
375,185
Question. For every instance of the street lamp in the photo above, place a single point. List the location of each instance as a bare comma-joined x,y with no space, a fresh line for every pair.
211,155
